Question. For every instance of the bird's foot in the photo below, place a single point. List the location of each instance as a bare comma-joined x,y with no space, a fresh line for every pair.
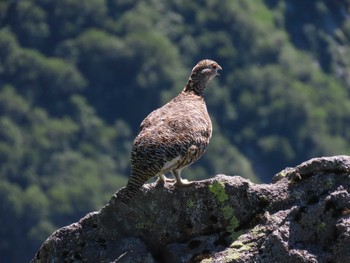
179,181
162,180
183,182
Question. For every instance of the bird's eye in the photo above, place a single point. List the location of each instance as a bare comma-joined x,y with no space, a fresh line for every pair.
206,70
214,66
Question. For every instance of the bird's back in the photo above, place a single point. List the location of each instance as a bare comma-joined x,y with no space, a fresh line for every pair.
169,132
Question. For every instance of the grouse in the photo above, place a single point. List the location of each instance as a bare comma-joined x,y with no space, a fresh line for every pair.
173,136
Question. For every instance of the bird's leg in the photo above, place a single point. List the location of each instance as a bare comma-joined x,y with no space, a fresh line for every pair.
162,179
179,180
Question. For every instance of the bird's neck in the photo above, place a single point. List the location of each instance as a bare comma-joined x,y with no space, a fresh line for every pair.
195,86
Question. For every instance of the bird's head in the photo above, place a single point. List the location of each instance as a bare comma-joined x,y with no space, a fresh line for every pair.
206,69
201,74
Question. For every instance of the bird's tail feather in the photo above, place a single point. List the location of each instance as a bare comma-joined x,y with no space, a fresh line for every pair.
132,187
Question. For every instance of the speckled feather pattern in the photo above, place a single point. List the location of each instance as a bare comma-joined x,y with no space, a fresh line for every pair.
179,130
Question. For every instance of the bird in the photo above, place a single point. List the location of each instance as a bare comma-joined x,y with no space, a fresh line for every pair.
173,136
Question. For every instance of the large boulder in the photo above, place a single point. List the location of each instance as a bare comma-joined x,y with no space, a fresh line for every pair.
303,216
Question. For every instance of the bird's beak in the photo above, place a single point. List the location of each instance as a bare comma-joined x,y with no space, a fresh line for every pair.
217,69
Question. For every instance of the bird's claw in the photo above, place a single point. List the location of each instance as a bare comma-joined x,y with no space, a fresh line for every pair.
183,182
162,180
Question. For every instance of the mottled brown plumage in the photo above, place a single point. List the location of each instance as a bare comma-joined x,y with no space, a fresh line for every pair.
173,136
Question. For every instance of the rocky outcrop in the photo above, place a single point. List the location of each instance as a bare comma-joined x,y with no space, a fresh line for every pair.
303,216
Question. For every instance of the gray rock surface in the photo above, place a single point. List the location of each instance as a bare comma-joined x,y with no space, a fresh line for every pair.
303,216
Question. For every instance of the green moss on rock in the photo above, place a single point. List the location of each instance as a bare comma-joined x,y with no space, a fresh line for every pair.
218,190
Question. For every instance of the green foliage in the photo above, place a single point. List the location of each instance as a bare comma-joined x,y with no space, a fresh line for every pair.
30,70
29,21
77,78
56,169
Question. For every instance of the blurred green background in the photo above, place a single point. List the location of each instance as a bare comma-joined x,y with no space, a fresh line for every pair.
78,77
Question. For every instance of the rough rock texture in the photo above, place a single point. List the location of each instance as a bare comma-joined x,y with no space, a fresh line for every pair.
303,216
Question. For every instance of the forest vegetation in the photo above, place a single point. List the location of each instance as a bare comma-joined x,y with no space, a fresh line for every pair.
78,77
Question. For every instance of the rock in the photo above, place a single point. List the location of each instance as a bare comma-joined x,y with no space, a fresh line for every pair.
303,216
